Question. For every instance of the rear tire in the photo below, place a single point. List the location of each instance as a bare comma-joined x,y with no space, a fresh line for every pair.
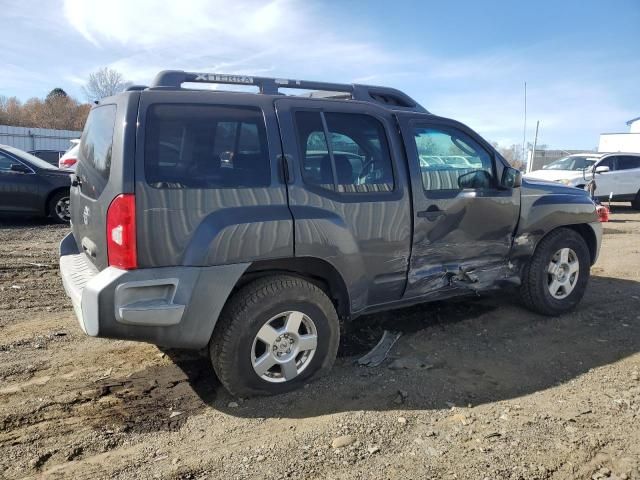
58,207
635,203
274,335
556,277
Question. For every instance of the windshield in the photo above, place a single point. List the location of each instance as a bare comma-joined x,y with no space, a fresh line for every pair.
571,163
32,159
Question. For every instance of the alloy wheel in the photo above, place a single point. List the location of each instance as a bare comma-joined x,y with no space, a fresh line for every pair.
284,346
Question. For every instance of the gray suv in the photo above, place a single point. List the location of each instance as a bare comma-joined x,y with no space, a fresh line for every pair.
255,223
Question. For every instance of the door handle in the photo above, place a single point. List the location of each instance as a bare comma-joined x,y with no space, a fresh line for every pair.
431,213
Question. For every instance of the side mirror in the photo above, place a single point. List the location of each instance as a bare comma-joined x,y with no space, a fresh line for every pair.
19,168
601,169
475,179
511,178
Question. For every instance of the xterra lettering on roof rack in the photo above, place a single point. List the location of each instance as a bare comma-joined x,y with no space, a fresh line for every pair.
213,77
390,97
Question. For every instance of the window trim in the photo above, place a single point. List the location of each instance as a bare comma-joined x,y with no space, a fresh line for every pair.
301,155
272,180
447,129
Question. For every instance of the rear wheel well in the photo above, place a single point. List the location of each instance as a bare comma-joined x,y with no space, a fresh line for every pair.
50,196
319,272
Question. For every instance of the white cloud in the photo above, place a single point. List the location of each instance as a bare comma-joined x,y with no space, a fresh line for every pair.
573,93
281,35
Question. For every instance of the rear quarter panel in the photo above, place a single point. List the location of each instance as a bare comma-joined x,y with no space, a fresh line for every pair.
211,226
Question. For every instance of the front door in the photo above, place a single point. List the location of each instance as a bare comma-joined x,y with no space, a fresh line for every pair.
348,194
463,220
622,179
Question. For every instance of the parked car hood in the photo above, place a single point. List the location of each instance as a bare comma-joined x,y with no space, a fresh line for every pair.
554,175
534,186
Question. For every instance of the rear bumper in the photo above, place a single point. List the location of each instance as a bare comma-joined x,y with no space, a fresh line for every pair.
170,306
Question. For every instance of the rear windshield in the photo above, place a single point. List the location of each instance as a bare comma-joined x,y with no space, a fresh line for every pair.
205,146
94,154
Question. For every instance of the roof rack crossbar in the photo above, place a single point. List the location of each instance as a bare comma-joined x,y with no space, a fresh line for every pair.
271,86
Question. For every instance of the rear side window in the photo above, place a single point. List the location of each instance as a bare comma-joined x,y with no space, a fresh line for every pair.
95,149
344,152
206,146
628,163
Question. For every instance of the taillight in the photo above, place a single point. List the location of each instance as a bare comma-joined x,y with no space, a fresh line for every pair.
121,232
67,162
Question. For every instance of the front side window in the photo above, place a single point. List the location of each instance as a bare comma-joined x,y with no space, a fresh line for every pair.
206,146
6,162
451,160
350,155
608,162
29,158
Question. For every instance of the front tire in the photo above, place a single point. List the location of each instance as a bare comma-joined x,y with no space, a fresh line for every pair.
274,335
635,203
556,277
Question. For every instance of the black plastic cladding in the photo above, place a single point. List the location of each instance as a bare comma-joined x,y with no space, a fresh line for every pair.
390,97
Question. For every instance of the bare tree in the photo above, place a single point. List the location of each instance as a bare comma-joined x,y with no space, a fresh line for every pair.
512,154
104,83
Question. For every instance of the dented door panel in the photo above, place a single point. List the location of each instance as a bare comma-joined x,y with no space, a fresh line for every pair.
366,237
462,238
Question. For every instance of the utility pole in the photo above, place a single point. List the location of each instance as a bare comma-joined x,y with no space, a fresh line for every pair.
524,130
533,152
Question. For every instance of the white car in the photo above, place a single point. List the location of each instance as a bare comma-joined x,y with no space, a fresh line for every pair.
69,160
617,175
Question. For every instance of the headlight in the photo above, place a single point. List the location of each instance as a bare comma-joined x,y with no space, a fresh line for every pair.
564,181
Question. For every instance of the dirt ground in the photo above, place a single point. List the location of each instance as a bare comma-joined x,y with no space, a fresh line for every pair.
477,388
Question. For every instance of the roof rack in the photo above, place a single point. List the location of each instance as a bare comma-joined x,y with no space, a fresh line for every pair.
270,86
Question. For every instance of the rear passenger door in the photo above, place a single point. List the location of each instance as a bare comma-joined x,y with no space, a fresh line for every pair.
208,186
463,220
629,166
348,193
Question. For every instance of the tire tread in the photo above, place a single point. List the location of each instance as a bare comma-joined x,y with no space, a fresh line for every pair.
533,297
234,318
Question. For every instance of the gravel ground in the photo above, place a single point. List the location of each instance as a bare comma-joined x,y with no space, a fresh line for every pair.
475,388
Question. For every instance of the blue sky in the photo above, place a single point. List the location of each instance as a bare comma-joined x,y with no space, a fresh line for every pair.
463,59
